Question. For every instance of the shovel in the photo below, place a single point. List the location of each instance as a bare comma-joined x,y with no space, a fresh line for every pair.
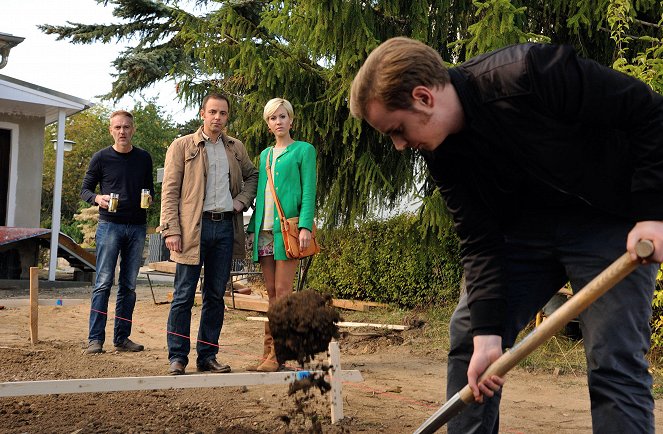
569,310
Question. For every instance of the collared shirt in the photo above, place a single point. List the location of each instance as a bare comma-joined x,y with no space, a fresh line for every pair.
217,191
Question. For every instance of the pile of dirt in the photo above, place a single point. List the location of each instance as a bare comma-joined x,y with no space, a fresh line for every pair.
302,324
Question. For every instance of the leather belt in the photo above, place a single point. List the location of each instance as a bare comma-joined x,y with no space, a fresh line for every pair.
218,216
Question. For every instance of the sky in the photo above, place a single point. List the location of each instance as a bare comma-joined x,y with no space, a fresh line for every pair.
83,71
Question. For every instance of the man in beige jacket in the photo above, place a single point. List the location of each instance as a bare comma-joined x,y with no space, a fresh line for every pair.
209,181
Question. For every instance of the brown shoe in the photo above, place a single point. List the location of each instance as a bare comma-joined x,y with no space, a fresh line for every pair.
214,367
270,364
176,368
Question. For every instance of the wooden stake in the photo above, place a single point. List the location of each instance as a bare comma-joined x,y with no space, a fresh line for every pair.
34,304
336,396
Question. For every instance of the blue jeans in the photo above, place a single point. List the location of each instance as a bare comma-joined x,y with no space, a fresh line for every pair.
544,251
128,242
216,251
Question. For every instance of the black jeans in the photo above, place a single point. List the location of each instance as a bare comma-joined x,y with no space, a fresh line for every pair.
544,252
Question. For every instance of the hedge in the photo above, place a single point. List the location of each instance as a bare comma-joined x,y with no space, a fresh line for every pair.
389,261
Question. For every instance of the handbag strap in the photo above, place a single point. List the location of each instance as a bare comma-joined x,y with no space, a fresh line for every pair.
271,187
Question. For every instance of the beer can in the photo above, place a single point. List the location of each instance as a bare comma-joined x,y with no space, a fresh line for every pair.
145,198
113,202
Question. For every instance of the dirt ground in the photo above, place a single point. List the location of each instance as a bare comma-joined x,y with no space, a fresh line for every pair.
403,381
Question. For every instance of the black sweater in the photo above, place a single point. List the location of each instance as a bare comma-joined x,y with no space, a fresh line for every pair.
543,128
123,173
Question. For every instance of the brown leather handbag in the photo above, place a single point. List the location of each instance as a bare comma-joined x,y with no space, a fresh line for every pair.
290,227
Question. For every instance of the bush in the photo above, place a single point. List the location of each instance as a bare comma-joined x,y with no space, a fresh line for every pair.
657,319
87,219
67,227
71,229
390,261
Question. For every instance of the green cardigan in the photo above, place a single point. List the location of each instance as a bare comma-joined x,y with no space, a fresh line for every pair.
295,183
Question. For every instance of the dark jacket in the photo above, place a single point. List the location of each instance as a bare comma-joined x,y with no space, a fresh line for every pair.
543,128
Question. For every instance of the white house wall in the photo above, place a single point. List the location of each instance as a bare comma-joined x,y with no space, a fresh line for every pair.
26,169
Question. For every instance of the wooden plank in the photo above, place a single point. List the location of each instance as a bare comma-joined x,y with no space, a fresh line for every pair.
345,324
358,305
165,266
379,326
242,302
123,384
34,304
246,302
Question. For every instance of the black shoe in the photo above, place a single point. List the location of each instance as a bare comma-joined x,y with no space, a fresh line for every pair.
176,368
214,367
130,346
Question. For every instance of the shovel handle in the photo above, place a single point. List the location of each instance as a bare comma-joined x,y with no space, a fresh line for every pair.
598,286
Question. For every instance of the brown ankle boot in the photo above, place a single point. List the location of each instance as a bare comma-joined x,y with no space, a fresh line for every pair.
270,364
267,347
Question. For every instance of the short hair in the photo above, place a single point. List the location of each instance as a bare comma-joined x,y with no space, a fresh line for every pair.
214,95
392,70
121,113
274,104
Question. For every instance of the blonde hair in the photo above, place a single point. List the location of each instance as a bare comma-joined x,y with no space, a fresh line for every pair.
274,104
390,73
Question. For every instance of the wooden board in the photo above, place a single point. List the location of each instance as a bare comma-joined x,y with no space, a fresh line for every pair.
258,304
123,384
247,302
362,306
34,305
165,267
242,302
346,324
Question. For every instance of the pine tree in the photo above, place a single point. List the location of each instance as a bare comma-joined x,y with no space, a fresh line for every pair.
308,51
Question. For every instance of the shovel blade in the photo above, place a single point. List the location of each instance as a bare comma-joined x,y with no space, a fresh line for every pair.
443,415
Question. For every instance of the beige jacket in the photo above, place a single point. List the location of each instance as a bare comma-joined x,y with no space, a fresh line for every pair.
183,192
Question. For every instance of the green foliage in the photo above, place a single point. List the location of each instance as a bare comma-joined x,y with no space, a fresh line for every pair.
647,63
309,51
73,231
388,261
89,131
657,318
499,24
154,133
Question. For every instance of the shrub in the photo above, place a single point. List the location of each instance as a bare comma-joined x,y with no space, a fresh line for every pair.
389,261
87,219
657,317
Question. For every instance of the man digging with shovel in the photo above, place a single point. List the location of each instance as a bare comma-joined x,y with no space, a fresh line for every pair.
551,166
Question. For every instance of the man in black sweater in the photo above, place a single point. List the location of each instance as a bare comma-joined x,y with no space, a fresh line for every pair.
122,172
551,166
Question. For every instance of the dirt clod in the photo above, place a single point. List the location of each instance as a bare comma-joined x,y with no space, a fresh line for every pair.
302,325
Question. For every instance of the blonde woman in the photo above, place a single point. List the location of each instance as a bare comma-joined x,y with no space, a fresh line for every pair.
293,169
